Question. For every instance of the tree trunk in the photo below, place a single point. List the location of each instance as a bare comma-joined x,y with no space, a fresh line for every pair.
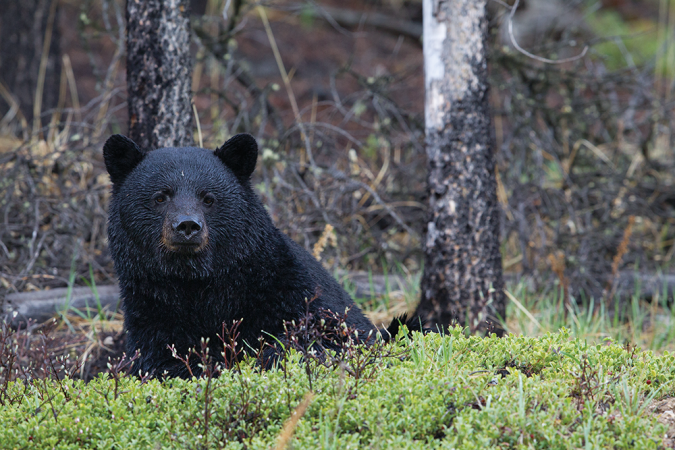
462,281
23,27
159,68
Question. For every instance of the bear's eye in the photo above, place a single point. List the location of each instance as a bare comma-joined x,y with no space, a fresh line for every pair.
208,200
159,198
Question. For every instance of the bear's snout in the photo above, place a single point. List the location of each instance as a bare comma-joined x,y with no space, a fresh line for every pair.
185,233
187,227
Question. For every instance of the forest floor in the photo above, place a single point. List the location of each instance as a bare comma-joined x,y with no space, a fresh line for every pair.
58,206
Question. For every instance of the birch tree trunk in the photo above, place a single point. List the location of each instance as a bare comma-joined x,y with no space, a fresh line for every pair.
159,69
462,280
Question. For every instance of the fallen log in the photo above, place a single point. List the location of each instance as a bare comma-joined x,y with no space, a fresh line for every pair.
39,306
645,285
42,305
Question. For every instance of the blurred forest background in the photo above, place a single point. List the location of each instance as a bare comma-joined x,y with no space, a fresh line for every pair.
586,167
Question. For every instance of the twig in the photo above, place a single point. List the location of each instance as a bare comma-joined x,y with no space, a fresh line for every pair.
620,252
292,422
287,84
199,127
46,44
109,76
339,175
522,308
243,77
531,55
339,17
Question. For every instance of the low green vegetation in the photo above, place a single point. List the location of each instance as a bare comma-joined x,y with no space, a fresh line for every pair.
430,391
647,323
623,44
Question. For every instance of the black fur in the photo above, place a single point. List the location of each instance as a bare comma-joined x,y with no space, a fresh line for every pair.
194,247
412,324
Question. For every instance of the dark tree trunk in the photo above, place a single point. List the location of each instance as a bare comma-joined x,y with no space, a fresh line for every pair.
23,27
159,69
462,280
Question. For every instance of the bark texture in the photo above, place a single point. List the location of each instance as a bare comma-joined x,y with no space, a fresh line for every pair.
23,26
159,69
462,281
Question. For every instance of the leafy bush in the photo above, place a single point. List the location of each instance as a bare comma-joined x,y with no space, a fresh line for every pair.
429,391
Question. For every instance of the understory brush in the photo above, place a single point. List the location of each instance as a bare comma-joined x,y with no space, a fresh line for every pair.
433,391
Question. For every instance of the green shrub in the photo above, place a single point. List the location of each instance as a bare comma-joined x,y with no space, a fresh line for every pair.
432,391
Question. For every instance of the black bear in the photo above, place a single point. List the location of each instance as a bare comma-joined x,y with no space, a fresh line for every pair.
194,248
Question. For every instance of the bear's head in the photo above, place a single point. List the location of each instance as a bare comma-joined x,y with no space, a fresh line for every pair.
182,212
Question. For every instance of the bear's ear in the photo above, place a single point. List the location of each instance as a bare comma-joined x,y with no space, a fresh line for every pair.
121,155
239,153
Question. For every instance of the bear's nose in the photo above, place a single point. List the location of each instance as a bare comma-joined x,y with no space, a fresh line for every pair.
187,226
